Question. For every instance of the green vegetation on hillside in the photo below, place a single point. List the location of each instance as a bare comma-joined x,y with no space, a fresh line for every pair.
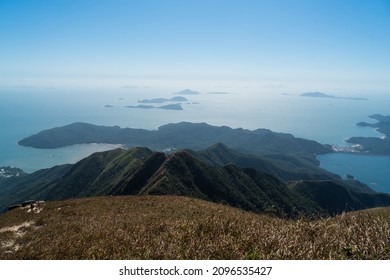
286,167
372,145
167,227
140,171
17,189
336,198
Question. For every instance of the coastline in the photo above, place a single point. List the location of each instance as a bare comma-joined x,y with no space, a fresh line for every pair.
32,159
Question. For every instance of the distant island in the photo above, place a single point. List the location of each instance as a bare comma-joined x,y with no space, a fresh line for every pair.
324,95
163,100
375,145
317,94
108,106
187,92
176,107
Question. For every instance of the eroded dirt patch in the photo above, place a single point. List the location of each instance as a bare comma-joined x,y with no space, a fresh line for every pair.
9,245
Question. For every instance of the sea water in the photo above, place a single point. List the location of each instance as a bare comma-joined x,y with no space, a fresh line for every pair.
373,170
327,120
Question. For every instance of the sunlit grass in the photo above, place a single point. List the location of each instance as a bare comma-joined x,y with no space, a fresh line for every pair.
167,227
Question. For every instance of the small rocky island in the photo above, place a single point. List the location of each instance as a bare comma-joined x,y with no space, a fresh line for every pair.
145,103
164,100
187,92
176,107
317,94
375,145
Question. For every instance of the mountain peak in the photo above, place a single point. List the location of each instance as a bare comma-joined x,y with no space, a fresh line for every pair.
219,146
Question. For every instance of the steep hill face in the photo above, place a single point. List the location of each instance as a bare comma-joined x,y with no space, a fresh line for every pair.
31,186
286,167
99,174
182,174
334,197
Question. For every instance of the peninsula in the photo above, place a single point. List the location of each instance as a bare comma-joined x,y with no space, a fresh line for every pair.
375,145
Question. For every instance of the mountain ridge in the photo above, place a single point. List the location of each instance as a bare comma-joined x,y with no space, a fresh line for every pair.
141,171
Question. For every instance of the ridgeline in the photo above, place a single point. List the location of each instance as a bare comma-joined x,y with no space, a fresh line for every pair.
241,182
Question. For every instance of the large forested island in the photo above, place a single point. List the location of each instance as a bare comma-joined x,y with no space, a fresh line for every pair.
375,145
180,135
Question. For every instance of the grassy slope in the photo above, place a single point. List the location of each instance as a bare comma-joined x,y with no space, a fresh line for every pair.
169,227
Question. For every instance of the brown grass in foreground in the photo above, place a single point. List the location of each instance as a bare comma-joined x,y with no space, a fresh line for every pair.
167,227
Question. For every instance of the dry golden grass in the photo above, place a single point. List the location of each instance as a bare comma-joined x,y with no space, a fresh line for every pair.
168,227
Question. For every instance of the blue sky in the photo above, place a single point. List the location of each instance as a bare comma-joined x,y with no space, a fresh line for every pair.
333,43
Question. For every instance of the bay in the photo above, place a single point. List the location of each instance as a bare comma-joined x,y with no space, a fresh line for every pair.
373,170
